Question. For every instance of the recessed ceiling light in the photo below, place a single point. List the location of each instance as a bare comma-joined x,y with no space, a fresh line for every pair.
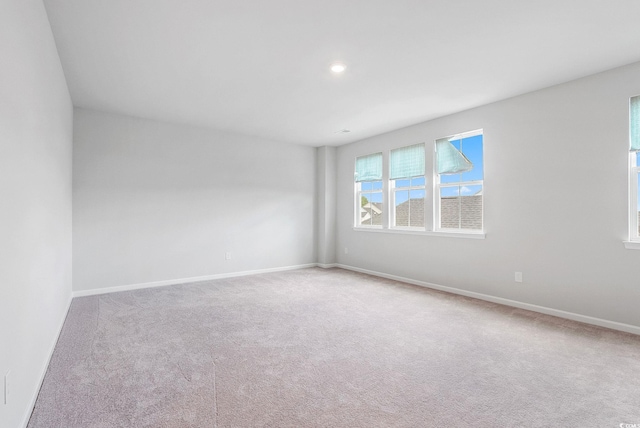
338,67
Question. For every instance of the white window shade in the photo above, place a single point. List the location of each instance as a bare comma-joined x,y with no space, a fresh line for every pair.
634,124
369,168
407,162
449,159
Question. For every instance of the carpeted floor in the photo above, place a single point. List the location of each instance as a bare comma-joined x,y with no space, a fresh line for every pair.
330,348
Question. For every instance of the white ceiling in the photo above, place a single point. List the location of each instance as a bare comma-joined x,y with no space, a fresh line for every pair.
261,67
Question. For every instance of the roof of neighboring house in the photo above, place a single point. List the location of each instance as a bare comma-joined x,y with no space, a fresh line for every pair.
371,210
410,210
413,210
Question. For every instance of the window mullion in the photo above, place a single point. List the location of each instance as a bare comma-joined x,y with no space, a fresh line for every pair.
463,183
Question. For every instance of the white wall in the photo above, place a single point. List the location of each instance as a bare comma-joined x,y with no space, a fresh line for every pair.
555,203
35,190
155,202
326,191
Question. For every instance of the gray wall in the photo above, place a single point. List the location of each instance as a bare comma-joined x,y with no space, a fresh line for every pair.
155,201
35,190
555,203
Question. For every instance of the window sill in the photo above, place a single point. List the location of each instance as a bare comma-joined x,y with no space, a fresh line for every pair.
447,234
631,245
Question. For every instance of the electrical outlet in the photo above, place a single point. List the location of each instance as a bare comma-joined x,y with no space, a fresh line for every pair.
518,276
227,255
6,388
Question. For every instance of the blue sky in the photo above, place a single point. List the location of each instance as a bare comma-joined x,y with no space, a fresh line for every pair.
472,149
372,185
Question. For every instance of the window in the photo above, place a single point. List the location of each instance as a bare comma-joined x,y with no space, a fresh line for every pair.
369,200
459,182
455,208
407,184
634,169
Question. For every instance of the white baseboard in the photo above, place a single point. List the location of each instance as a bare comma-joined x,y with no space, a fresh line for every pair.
118,288
43,371
628,328
327,265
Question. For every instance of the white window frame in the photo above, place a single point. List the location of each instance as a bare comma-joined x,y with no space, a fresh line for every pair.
431,202
633,242
359,193
392,206
437,186
634,172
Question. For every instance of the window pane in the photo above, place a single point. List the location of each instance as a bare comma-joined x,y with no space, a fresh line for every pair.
370,209
417,194
376,197
402,183
471,207
470,190
454,178
376,209
402,208
376,185
409,208
366,185
418,181
461,207
450,191
472,149
401,196
449,208
416,208
364,216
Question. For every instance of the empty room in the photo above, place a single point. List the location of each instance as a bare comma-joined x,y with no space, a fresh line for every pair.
319,214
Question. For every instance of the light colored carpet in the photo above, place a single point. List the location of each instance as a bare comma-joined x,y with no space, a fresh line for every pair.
330,348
